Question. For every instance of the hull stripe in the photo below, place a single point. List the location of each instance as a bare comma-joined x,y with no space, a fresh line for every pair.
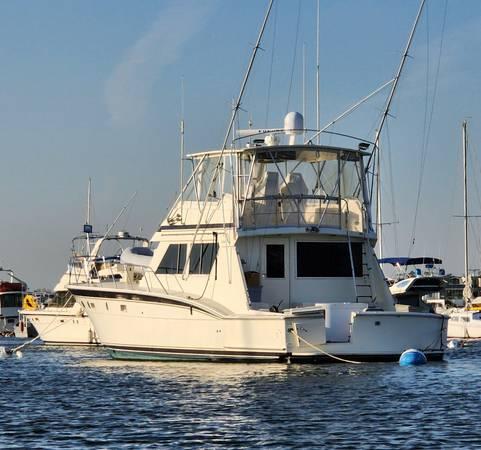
185,354
111,295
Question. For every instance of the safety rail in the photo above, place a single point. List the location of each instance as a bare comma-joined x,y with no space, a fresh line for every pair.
303,210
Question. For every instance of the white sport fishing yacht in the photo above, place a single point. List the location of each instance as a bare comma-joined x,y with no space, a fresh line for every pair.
267,255
63,321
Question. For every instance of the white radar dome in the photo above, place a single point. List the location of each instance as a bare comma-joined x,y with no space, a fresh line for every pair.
293,123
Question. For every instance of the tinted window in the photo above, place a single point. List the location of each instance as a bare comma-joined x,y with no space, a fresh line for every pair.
173,260
202,258
11,300
328,259
275,261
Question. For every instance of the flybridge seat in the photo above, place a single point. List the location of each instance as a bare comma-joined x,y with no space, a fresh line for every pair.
263,210
137,256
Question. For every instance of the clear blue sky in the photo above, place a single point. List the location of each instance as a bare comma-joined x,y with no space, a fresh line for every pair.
91,88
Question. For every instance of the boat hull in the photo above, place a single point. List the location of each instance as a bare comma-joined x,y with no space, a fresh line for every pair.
157,328
62,326
467,330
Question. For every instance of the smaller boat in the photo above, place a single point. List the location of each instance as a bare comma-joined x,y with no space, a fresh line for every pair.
63,321
410,287
465,323
11,295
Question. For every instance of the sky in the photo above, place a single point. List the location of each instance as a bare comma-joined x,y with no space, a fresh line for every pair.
93,89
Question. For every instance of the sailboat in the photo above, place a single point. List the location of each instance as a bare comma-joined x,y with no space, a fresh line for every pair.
465,322
266,255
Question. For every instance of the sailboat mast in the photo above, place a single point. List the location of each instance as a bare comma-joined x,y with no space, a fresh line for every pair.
466,255
318,87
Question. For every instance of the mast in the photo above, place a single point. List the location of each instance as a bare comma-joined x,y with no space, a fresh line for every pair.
318,89
465,192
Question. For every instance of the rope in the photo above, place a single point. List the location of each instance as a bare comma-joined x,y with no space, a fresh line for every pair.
291,330
47,330
15,349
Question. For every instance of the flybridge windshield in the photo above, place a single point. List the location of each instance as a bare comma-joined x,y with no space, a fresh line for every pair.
283,185
302,187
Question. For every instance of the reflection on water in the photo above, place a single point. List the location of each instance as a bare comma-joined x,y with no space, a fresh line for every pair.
77,397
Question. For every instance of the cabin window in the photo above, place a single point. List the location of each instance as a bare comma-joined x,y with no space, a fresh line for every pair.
202,258
328,259
11,300
275,266
173,260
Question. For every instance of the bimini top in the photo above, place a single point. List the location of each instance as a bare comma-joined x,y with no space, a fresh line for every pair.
405,261
301,152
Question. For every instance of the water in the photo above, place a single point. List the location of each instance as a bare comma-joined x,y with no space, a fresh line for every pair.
57,397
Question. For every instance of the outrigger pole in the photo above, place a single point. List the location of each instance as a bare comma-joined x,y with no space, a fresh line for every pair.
395,83
375,151
232,120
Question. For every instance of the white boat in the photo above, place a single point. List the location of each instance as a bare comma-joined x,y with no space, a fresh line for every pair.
268,255
267,271
464,322
63,321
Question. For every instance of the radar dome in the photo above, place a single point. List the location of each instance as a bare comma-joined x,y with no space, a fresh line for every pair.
293,123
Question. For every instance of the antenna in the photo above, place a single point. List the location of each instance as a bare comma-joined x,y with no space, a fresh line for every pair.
87,226
88,199
304,84
182,132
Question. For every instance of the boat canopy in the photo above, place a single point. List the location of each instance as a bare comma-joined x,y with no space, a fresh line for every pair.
280,153
405,261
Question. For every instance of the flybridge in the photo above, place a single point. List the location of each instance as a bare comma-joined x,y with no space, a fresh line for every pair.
274,185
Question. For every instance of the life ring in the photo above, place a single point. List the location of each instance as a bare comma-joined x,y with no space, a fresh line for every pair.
29,302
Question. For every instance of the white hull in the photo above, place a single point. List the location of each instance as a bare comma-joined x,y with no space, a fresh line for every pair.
62,326
464,325
154,327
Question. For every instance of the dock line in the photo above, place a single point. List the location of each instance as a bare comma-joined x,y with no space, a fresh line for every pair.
315,347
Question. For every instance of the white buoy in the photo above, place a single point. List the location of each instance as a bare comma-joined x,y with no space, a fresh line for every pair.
455,344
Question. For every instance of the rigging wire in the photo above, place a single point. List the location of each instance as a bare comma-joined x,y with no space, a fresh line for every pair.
428,117
294,56
471,156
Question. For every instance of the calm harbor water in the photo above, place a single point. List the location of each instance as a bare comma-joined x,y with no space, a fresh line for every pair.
57,397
